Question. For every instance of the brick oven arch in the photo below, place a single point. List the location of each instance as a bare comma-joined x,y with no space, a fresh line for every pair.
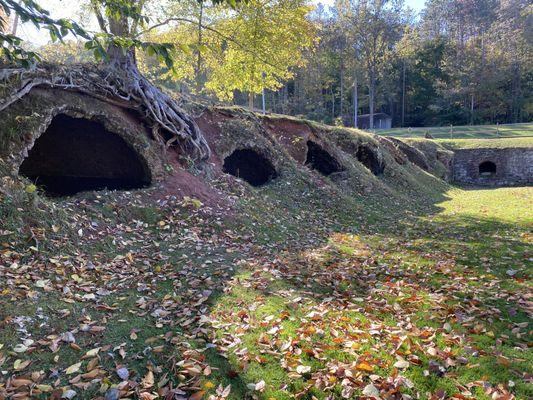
76,154
251,166
487,168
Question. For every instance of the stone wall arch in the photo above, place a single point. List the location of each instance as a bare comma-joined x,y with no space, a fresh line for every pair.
487,168
493,166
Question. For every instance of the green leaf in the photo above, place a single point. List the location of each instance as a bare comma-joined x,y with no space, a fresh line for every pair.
53,35
185,48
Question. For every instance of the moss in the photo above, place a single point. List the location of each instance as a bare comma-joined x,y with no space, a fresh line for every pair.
22,123
24,212
438,157
239,133
242,128
21,118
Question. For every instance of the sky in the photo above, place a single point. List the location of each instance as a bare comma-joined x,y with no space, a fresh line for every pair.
69,8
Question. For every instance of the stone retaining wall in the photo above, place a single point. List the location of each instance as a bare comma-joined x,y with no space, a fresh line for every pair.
514,166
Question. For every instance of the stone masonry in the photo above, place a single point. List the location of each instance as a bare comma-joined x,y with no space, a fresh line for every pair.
513,166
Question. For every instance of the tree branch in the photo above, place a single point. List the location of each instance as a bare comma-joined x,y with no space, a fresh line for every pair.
99,16
217,32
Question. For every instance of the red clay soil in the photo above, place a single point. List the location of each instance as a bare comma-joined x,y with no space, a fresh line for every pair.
209,125
292,135
182,183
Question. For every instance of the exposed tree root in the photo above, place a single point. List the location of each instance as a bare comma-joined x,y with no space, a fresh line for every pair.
120,84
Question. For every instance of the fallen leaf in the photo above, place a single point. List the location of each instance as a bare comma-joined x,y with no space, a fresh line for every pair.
363,366
371,391
401,363
303,369
123,373
73,369
148,380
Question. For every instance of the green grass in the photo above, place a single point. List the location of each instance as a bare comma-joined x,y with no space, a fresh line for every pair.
309,287
439,251
463,132
316,295
526,142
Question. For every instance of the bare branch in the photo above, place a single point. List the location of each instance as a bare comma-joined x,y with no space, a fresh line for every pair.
99,16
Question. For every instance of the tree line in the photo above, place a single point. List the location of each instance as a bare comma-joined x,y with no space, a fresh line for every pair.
457,62
460,62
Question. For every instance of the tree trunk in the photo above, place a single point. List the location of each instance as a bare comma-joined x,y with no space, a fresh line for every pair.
251,101
118,56
341,99
403,94
516,93
332,104
198,67
483,50
263,101
4,21
371,94
285,99
472,110
16,21
355,102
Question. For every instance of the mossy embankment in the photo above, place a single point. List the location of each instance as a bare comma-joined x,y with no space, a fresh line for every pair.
505,143
310,285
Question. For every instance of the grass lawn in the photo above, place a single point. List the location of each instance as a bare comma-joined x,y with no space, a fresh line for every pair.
166,301
484,143
433,307
464,132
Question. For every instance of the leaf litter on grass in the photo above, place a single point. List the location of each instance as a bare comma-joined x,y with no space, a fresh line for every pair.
181,305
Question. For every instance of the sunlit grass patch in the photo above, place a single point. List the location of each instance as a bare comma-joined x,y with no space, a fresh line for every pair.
367,301
464,132
285,300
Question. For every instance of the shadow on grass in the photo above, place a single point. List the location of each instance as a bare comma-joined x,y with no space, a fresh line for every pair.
158,260
460,278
